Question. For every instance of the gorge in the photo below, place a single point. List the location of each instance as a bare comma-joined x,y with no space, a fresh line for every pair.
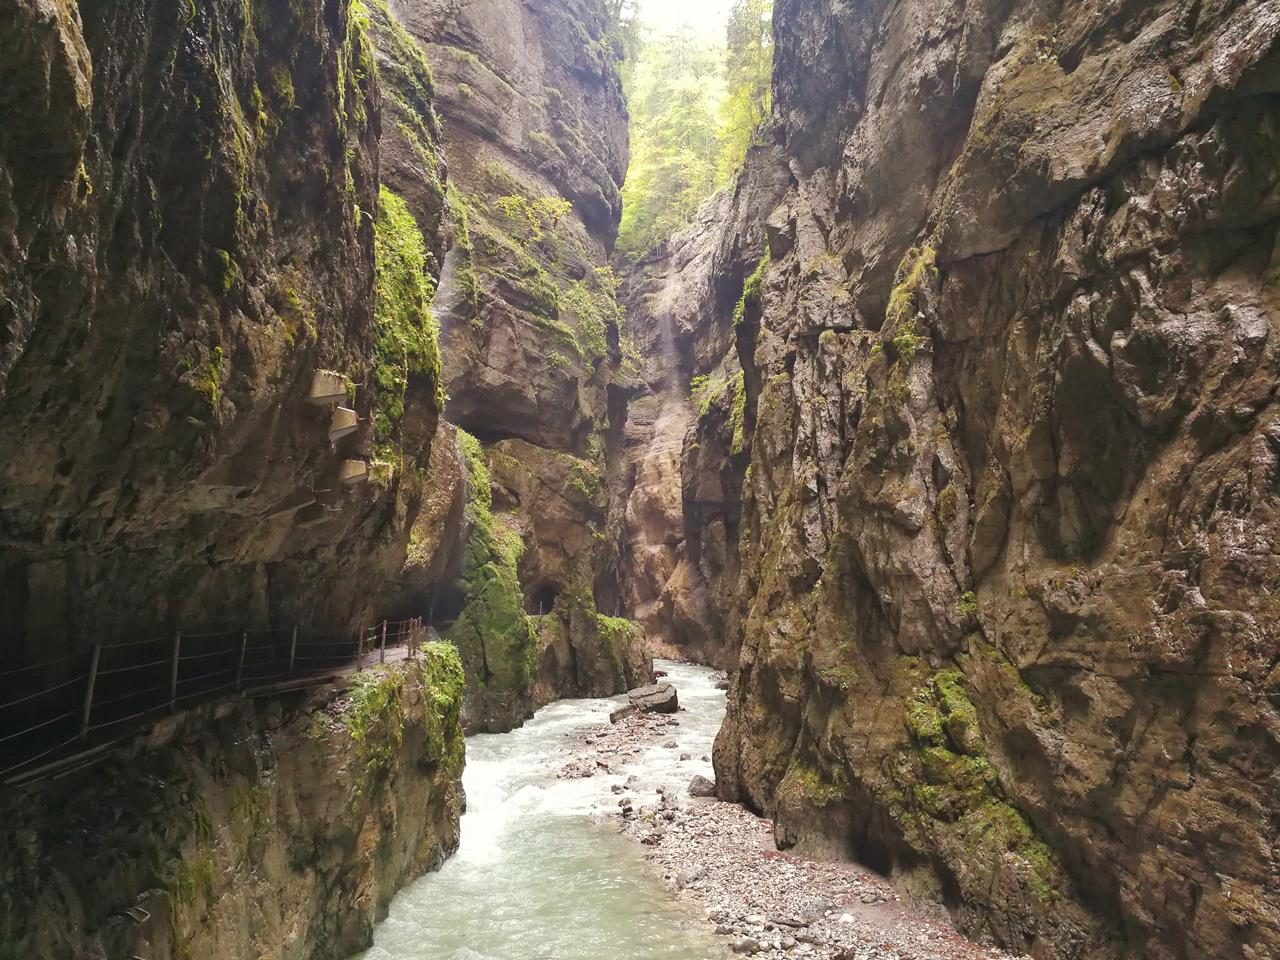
945,425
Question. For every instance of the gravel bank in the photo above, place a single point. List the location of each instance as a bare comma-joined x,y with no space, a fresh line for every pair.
764,903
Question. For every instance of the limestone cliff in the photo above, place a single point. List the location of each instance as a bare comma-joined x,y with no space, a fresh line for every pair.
276,828
688,432
535,142
1010,461
191,228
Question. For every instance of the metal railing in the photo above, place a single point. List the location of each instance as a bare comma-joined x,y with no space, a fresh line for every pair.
73,702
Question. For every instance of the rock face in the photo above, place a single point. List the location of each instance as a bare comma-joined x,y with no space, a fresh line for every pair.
535,141
686,434
269,828
1004,614
190,229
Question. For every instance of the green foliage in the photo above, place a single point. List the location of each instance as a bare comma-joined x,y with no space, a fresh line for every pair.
674,96
532,218
696,105
968,604
751,289
705,390
407,339
738,413
915,265
906,343
749,78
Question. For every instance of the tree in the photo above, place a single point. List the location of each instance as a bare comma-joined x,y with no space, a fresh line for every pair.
674,93
749,79
696,104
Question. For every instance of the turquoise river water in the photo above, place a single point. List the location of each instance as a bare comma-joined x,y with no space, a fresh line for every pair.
539,874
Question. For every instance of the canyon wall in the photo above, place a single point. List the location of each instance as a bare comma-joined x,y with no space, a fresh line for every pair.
278,827
191,228
687,432
204,210
536,145
1004,466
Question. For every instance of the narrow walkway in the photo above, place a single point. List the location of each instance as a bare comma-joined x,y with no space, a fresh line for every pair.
107,695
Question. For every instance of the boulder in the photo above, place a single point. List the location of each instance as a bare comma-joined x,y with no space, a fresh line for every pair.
655,698
700,786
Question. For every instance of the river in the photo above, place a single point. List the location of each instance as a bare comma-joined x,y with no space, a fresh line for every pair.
539,874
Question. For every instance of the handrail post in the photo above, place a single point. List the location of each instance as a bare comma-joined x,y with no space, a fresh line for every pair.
360,648
382,647
173,671
244,647
293,648
88,693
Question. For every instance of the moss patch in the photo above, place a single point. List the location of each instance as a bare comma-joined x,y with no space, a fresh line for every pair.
407,338
493,633
751,290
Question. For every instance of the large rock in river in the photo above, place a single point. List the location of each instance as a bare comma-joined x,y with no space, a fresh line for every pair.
655,698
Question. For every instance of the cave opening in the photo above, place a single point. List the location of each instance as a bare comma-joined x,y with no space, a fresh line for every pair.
445,605
541,599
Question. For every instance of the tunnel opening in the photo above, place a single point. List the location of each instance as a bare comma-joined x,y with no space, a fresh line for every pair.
541,599
445,604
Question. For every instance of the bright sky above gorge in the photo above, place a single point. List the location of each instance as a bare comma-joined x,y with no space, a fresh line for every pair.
703,15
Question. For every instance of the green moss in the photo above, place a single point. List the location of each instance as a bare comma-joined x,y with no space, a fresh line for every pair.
227,271
282,88
592,304
751,290
493,632
992,830
531,219
618,637
809,785
586,478
705,390
208,383
842,677
444,681
925,723
407,345
916,265
375,716
190,879
738,414
906,343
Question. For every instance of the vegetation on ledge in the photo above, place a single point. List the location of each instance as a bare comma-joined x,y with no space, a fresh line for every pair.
407,338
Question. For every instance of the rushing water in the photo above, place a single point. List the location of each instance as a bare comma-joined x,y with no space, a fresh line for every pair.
539,875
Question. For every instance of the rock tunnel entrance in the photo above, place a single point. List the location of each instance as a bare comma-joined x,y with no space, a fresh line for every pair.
541,599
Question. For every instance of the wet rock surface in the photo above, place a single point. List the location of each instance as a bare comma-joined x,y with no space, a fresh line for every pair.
256,828
1002,491
535,142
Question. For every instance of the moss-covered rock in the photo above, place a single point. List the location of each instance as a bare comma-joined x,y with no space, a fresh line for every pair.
263,827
